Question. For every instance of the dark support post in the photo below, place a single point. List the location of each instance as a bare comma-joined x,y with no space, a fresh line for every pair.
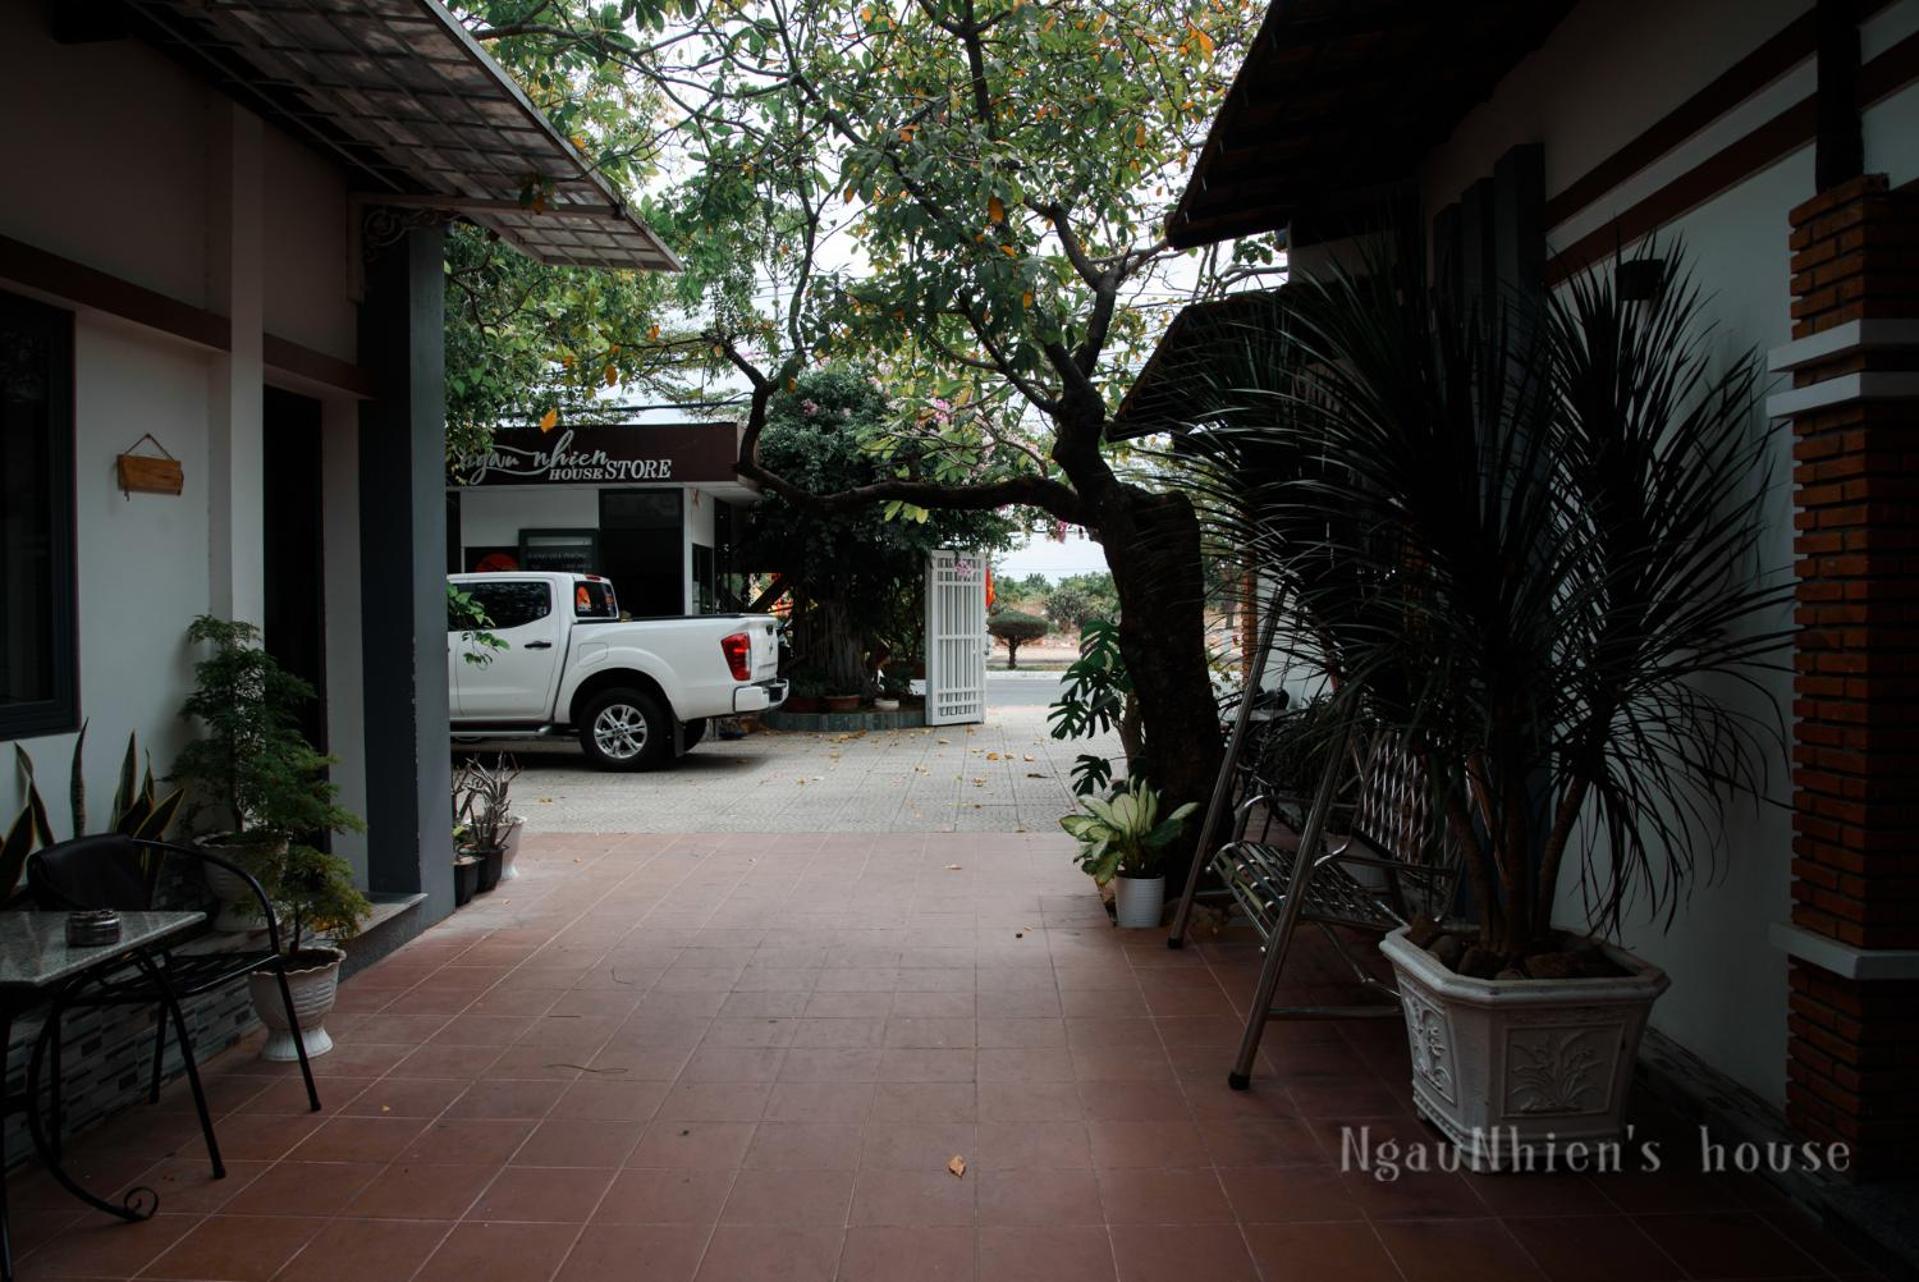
1840,153
402,571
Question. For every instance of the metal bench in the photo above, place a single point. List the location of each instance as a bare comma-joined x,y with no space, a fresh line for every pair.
1364,853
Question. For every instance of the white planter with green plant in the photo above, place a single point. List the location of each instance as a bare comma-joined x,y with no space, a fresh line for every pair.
1123,838
258,792
1530,547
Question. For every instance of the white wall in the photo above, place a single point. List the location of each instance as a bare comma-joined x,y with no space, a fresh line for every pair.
130,168
698,508
98,162
494,517
142,561
307,249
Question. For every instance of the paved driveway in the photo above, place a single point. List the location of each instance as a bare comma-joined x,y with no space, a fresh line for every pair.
1007,775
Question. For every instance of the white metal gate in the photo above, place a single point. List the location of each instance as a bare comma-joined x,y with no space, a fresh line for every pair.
956,639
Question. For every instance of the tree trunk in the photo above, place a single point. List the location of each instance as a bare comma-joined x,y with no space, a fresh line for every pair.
1152,544
1012,655
833,643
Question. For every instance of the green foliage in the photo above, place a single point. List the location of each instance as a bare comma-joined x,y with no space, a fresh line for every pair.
1124,835
1079,597
1095,697
314,896
482,803
465,615
1013,629
139,809
253,770
869,561
1539,559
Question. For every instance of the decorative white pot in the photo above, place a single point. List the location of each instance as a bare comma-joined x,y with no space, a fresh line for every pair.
239,909
314,989
886,705
1501,1066
1137,901
510,847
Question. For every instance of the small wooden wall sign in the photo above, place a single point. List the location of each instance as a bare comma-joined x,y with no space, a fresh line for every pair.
147,474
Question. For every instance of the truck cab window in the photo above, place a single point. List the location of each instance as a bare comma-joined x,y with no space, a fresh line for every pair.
513,604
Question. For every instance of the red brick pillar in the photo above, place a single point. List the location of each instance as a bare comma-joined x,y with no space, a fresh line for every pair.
1853,1067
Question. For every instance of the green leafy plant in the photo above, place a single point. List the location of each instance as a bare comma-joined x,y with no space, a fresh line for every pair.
1095,698
482,803
466,616
1013,629
253,772
140,810
314,896
1123,836
1530,544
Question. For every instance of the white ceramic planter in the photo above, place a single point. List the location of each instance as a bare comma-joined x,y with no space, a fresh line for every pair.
1137,901
314,989
239,910
511,847
1501,1066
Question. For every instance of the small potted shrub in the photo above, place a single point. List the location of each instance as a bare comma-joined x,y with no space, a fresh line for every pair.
318,906
1123,837
895,688
807,689
842,702
253,782
486,825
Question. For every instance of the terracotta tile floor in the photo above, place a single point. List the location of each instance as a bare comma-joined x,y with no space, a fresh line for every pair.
735,1058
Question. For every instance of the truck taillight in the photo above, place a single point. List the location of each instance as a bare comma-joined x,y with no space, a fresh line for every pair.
738,650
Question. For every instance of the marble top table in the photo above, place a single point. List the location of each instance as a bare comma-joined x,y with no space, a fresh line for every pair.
34,952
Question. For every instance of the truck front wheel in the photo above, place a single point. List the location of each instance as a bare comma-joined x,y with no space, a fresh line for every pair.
626,729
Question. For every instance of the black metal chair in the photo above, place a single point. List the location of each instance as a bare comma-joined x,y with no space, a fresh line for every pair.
122,873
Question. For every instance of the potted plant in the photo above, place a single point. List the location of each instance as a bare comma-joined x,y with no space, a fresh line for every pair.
1529,546
318,906
896,687
842,702
807,689
1123,837
486,825
253,782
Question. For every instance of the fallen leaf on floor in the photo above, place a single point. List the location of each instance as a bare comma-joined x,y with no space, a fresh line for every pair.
1030,757
957,1165
992,756
1035,774
952,868
942,741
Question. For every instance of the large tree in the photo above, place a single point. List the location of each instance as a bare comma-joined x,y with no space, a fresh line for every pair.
967,194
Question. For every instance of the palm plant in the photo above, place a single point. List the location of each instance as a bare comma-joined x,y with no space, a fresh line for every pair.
1527,538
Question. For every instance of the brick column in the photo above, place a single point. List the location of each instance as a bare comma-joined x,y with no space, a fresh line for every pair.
1853,1068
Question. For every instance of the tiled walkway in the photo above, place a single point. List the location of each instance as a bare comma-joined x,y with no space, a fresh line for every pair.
751,1059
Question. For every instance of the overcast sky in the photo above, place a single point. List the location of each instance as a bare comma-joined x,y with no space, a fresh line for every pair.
1042,555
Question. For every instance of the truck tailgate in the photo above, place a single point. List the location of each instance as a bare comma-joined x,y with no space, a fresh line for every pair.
766,649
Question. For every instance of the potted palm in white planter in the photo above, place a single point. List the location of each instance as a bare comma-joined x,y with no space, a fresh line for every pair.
1537,562
1123,839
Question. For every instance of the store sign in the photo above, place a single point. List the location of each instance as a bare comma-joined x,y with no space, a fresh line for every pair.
606,455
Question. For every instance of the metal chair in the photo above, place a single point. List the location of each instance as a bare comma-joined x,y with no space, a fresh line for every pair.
122,873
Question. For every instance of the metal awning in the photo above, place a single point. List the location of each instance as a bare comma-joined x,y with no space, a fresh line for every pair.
401,94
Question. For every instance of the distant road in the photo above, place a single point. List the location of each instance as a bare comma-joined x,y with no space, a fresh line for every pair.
1005,690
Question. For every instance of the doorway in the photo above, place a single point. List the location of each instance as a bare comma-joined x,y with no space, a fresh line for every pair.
294,554
642,549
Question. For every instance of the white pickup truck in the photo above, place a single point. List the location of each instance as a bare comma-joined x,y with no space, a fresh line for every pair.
638,693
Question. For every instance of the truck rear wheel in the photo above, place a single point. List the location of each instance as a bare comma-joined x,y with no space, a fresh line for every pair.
626,729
